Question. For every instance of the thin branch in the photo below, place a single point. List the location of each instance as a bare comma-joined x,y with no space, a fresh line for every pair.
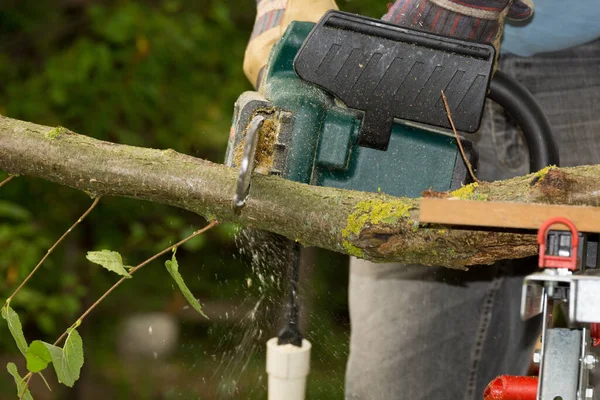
462,151
4,182
133,271
45,381
28,376
85,214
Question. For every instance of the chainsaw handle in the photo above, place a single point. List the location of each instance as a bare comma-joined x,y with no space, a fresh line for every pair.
523,107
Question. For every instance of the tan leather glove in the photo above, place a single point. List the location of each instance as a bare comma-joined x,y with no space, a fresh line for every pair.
272,19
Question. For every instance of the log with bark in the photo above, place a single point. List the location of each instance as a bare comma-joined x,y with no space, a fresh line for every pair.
374,226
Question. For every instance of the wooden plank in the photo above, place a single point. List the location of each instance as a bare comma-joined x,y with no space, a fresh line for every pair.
505,215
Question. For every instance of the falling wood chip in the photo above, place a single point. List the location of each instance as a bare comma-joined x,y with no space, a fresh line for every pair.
505,215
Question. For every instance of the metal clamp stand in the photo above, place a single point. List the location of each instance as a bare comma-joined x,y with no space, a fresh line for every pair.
565,358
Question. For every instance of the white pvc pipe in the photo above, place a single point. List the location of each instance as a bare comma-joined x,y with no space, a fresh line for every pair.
288,367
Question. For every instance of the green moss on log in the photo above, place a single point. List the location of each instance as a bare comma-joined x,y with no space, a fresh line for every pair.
541,174
54,133
375,212
469,192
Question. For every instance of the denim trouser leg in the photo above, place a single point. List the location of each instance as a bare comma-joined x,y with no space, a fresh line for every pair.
437,334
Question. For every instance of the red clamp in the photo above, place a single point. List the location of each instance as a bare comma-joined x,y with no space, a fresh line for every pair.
508,387
595,334
548,261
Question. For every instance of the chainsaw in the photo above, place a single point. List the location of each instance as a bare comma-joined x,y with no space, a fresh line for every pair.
356,103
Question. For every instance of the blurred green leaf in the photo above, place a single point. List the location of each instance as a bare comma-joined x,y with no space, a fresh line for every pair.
227,231
20,382
37,356
30,297
172,5
67,361
15,327
173,268
111,260
14,211
193,244
46,323
118,27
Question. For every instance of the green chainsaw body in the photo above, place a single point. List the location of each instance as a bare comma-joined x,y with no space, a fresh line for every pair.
316,136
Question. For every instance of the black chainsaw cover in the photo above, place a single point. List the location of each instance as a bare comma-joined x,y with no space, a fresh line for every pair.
392,72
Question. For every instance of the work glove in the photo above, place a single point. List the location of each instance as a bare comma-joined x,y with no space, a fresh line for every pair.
272,19
479,20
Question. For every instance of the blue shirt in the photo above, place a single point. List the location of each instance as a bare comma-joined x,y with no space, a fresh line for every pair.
555,25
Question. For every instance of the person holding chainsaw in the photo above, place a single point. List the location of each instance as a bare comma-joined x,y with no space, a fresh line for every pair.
480,20
434,333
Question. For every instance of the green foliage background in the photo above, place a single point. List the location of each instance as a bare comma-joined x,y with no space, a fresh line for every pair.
153,73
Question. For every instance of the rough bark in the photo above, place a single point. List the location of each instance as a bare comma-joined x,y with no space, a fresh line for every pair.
369,225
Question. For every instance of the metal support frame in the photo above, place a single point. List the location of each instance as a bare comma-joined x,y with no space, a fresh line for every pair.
565,358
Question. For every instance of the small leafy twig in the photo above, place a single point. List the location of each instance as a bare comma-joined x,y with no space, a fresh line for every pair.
4,182
109,291
28,376
131,272
85,214
462,151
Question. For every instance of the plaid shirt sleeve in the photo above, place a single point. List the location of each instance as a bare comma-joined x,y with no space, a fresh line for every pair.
477,20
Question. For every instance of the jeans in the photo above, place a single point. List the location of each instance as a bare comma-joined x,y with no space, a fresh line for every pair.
438,334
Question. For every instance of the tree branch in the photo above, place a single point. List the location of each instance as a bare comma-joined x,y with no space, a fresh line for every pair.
368,225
